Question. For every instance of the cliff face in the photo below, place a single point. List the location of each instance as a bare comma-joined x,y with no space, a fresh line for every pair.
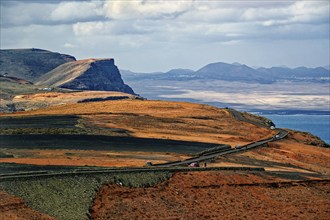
91,74
30,64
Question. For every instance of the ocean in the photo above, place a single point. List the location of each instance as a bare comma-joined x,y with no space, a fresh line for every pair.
318,125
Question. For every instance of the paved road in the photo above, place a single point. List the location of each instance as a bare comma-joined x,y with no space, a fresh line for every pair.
160,167
238,115
209,156
46,174
280,135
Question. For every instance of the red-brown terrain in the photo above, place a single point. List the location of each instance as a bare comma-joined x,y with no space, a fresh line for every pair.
189,195
13,208
216,195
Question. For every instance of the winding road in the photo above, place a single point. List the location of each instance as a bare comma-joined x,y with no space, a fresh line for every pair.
212,155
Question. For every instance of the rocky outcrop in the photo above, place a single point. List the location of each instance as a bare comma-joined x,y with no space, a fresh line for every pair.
30,64
91,74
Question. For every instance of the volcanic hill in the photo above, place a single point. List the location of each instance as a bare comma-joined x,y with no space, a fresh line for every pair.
27,76
30,64
90,74
112,134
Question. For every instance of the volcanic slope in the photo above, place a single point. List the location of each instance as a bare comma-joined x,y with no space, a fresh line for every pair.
90,74
156,121
162,119
299,190
10,86
30,64
35,98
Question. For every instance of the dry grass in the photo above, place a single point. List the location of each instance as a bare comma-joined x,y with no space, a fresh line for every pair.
57,98
163,119
87,157
147,119
305,156
178,121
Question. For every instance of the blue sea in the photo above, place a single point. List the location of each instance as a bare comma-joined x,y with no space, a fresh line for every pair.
318,125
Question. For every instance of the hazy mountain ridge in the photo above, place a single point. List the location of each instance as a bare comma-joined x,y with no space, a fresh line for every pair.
239,86
237,72
296,73
231,72
32,64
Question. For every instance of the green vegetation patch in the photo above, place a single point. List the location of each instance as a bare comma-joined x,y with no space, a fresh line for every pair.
70,196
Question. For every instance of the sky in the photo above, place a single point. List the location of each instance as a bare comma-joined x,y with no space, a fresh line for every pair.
150,36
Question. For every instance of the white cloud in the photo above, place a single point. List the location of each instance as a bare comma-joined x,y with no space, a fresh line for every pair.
204,20
140,9
231,42
109,28
21,14
36,36
312,12
219,29
69,45
75,11
88,28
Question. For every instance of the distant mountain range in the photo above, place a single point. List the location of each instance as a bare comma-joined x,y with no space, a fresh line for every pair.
34,65
29,71
238,86
236,72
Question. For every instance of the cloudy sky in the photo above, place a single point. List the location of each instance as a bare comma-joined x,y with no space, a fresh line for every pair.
146,36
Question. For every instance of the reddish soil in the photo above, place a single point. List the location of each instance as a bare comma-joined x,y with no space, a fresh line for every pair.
14,208
216,195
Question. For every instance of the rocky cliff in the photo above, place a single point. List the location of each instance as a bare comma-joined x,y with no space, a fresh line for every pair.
90,74
30,64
